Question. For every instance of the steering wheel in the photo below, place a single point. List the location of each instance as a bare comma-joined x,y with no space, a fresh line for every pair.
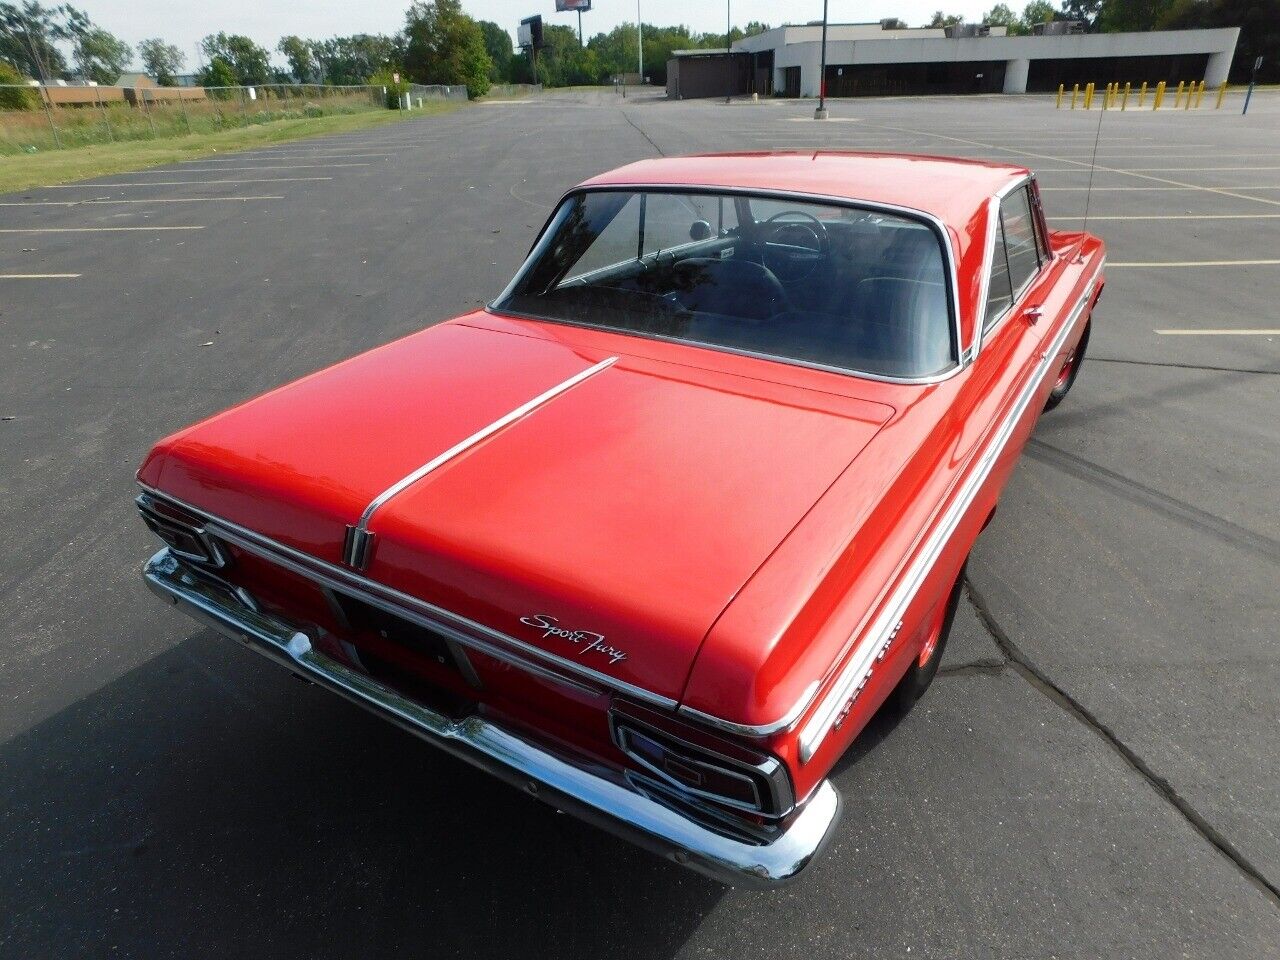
794,250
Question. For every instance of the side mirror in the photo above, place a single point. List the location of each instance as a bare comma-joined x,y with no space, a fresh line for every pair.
700,230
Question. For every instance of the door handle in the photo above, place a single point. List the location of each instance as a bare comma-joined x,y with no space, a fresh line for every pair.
1033,313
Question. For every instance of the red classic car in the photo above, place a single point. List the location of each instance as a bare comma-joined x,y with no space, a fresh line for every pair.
655,534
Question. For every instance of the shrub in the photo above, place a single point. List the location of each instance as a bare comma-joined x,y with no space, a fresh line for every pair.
16,97
386,78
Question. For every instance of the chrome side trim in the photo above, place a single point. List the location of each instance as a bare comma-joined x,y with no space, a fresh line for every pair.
359,539
876,638
756,731
601,795
933,222
466,632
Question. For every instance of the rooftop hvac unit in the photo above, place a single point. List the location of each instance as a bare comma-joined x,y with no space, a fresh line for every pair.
1057,28
960,31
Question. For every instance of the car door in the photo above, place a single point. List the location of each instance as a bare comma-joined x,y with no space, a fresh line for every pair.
1022,306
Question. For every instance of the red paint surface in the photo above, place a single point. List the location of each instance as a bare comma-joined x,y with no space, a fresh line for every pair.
729,523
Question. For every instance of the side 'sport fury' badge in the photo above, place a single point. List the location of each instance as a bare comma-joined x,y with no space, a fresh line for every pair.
586,641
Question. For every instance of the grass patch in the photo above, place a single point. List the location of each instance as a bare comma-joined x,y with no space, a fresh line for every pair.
27,170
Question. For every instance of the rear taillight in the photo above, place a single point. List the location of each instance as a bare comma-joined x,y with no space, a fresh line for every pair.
702,766
183,532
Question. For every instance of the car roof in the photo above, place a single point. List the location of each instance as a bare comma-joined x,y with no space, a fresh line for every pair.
952,189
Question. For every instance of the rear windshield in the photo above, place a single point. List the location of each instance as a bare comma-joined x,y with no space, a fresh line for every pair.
838,286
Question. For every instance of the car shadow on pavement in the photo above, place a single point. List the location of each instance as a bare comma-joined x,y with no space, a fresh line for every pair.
207,804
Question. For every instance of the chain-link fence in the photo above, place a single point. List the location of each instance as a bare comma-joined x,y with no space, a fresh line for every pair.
37,118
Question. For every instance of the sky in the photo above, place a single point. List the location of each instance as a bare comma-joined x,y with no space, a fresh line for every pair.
184,22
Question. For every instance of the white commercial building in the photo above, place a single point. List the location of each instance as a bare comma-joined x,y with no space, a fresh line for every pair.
866,59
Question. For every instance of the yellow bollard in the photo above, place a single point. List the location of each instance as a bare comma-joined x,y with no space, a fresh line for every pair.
1142,94
1058,105
1177,97
1199,94
1191,89
1075,88
1088,96
1124,104
1158,98
1222,92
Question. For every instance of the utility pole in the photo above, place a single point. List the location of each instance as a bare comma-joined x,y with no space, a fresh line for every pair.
728,51
640,40
580,43
821,112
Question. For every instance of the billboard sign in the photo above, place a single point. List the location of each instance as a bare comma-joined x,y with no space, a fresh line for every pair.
573,6
530,33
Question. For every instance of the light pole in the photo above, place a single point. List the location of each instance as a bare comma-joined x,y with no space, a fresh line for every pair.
640,41
821,112
728,51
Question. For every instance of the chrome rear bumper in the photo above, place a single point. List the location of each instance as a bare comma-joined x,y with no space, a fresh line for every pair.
575,786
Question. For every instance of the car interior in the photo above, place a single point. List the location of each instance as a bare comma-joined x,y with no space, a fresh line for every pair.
855,289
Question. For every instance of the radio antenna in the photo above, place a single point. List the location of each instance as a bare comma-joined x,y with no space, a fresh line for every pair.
1093,164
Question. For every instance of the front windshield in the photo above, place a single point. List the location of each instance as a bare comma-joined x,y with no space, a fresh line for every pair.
840,286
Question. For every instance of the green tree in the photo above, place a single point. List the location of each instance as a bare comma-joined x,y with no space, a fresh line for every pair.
302,61
497,43
250,63
941,19
356,59
1001,16
1259,23
161,60
446,46
1137,15
1037,11
218,73
100,56
30,34
889,23
12,98
1086,11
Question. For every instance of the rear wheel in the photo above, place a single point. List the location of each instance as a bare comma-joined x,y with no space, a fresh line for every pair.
925,666
1069,371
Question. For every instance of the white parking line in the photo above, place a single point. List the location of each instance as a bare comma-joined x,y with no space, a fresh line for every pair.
98,203
1194,263
90,229
1206,186
174,183
281,156
39,276
286,166
1183,216
261,167
1219,333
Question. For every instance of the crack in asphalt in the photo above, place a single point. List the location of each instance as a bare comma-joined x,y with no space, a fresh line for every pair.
626,116
1034,675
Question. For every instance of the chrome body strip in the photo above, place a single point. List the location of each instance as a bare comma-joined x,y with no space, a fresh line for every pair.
463,630
877,637
604,796
759,730
959,361
358,545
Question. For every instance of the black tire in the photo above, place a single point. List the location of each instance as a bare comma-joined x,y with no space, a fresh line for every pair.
1076,361
919,675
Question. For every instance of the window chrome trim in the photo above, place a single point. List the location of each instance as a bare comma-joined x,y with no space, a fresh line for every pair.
982,333
958,361
873,642
463,630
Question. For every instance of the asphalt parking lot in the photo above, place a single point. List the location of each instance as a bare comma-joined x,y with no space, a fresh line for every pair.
1095,772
